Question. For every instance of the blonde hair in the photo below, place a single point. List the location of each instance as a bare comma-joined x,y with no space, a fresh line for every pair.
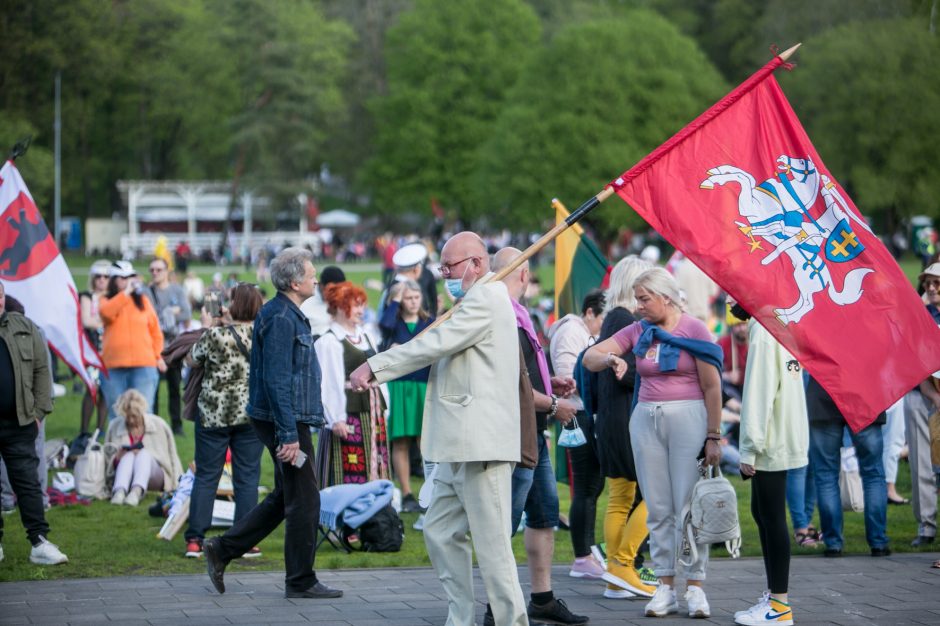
132,406
622,279
659,282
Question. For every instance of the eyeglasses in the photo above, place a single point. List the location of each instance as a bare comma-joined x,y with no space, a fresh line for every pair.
446,268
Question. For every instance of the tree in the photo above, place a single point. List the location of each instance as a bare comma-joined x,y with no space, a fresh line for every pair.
450,66
596,100
868,94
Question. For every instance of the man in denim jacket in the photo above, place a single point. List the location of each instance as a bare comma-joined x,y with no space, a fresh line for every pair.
283,403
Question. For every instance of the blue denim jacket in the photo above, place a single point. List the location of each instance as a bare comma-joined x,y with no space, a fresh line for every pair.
284,379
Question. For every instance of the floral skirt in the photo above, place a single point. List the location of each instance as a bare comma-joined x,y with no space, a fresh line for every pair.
360,458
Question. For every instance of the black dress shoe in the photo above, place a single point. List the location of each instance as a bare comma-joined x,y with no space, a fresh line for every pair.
832,552
214,563
885,551
921,541
319,590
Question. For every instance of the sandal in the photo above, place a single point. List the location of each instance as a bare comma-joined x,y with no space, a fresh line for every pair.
805,540
899,502
812,532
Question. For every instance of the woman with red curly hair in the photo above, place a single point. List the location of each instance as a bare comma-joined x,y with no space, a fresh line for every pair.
353,446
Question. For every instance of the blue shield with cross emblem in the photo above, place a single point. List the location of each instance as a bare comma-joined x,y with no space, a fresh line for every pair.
842,244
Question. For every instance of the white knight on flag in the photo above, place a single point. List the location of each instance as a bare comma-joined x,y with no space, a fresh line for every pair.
34,272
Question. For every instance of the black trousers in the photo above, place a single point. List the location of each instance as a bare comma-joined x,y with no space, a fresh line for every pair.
587,486
296,500
174,379
769,508
18,451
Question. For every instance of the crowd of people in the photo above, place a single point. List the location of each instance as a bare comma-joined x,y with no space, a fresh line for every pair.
681,381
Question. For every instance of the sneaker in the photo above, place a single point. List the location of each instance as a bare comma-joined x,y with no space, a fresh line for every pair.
555,612
133,498
410,505
118,496
586,567
698,603
46,553
757,608
254,553
647,576
613,592
599,555
663,603
626,578
419,523
772,611
193,549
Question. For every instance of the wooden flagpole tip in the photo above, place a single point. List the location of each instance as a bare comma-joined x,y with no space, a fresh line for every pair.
786,54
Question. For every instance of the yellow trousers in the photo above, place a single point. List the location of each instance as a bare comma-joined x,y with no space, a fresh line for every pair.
624,532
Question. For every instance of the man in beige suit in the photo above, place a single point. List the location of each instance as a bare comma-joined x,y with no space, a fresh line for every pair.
471,428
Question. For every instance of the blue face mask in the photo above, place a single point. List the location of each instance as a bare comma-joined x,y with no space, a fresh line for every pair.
455,287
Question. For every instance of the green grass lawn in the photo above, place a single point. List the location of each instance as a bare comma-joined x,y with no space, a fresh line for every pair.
105,540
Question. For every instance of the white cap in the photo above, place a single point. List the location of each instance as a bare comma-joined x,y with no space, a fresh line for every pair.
122,269
100,267
410,255
650,254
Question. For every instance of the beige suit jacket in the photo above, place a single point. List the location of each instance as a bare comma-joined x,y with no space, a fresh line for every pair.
471,410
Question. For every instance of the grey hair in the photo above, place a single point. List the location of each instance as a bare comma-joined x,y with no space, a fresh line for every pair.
288,267
659,282
411,285
622,278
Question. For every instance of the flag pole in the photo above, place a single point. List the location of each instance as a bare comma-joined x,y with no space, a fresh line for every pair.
543,241
20,148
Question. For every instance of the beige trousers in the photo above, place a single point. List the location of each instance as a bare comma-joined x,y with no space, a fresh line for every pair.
474,498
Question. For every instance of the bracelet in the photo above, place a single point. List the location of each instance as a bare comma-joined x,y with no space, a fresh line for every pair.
554,408
715,439
716,431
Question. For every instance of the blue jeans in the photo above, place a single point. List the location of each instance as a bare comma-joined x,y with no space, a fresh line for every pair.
801,495
120,379
211,444
825,443
535,492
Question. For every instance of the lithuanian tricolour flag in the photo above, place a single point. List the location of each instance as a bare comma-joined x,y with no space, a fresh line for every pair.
579,265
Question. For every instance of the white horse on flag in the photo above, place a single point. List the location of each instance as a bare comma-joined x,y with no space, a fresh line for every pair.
778,211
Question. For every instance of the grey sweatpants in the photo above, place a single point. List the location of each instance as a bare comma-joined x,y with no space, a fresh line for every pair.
917,410
667,437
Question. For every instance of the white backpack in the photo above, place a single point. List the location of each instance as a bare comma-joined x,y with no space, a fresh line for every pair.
90,470
710,517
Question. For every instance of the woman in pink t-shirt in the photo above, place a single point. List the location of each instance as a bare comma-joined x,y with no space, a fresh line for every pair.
678,411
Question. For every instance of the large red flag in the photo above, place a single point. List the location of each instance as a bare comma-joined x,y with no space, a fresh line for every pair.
33,272
744,194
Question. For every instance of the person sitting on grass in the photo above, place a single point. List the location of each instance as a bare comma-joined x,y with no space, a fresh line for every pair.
146,458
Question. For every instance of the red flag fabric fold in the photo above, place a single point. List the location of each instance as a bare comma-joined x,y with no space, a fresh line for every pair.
743,193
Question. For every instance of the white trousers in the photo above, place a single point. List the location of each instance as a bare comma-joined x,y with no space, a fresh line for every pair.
474,499
137,468
667,438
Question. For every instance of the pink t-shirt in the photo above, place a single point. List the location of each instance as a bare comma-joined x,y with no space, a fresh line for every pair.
657,386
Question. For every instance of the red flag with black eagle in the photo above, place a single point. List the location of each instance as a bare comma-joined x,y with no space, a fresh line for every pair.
33,272
743,193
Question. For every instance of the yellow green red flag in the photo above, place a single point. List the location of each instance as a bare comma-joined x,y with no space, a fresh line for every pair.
579,265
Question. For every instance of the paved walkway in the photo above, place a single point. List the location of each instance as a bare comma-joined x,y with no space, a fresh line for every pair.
852,590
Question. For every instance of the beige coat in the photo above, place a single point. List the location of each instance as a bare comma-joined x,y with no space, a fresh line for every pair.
471,410
158,440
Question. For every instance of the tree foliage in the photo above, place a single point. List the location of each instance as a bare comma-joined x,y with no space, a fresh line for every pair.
450,65
594,101
868,94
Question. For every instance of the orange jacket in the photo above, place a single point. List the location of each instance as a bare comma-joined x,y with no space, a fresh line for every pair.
132,337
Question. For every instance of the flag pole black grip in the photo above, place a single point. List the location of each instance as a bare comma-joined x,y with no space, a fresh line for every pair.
20,148
588,206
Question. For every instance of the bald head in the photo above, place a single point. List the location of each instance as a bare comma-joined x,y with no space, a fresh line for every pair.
518,281
464,256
